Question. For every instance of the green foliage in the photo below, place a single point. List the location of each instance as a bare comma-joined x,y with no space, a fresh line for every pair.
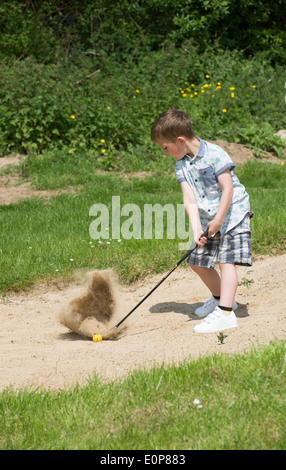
22,35
107,108
236,99
54,28
78,73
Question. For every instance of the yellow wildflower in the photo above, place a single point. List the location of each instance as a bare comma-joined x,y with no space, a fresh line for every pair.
72,116
207,76
102,141
184,95
137,91
224,110
232,88
103,150
232,95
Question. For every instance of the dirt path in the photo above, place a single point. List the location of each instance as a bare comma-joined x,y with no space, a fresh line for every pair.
36,350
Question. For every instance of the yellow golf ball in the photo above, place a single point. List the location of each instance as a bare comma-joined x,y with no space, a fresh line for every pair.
96,338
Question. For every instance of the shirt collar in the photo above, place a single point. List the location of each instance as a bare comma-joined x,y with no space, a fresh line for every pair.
201,151
202,148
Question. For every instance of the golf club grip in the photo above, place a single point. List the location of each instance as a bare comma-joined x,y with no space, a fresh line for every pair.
205,234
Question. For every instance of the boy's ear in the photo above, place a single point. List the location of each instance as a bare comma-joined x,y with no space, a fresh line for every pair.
181,139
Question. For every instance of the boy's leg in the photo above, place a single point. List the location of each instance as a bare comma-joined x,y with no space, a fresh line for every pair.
210,278
222,317
229,282
234,248
202,262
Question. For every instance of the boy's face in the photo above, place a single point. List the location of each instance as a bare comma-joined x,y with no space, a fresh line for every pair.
175,149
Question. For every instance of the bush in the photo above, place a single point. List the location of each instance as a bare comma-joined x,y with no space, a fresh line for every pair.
51,29
105,107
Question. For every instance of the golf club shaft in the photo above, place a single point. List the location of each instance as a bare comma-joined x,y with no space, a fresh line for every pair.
205,234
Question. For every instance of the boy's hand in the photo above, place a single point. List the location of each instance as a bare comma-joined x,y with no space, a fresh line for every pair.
199,240
213,227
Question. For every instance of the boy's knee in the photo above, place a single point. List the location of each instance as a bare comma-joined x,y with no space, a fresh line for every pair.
197,269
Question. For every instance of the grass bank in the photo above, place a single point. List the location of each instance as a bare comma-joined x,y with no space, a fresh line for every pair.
241,406
50,239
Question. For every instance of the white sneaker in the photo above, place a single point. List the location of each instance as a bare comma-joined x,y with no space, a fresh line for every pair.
216,321
209,307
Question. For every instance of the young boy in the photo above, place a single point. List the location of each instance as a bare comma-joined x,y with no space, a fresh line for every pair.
214,200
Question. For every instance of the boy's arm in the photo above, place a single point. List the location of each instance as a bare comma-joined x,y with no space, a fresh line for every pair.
191,208
225,182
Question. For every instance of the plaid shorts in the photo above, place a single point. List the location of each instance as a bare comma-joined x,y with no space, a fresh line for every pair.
232,247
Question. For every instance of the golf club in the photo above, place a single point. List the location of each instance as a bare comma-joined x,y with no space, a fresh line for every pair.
193,247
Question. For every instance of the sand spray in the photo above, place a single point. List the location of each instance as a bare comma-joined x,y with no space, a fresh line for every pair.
93,311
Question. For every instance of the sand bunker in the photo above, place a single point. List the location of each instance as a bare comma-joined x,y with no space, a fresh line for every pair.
36,350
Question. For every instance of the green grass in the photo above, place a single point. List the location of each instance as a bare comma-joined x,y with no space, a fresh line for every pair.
265,183
242,398
40,237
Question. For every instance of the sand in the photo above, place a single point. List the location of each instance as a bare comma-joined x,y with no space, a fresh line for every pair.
38,351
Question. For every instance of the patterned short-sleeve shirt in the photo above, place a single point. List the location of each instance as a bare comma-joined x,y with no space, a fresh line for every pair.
202,172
